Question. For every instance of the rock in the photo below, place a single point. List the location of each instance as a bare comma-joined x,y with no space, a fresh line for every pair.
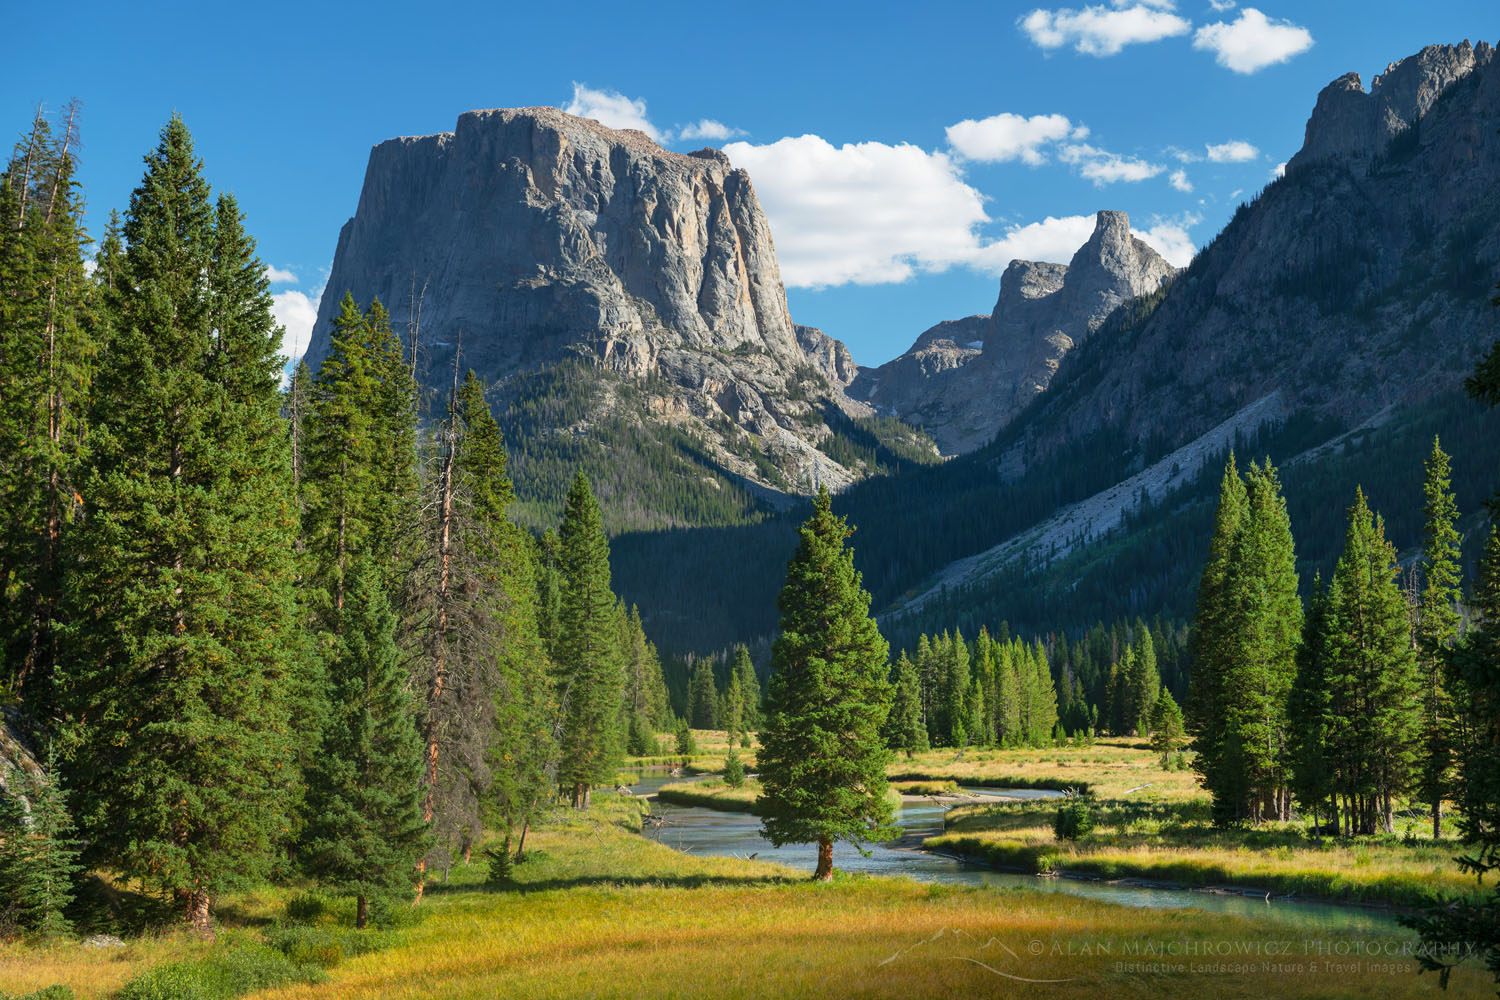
534,237
1347,123
102,941
965,379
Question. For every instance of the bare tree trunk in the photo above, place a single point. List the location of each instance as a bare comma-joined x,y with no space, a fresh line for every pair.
25,188
824,872
198,913
1437,818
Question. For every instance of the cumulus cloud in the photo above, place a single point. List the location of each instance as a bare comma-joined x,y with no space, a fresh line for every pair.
708,128
1179,179
1103,31
1234,151
1253,41
277,276
1279,170
865,213
1170,238
1004,137
1220,6
1103,167
611,108
296,312
1053,239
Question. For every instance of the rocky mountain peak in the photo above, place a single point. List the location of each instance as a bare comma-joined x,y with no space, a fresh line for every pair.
962,392
1348,122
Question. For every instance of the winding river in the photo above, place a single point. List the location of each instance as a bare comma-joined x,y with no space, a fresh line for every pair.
698,830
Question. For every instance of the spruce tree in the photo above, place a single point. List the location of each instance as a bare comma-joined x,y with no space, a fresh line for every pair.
1142,683
703,699
1437,628
1212,629
1371,674
590,678
365,829
903,727
1310,712
744,669
956,690
38,852
1166,726
822,763
181,604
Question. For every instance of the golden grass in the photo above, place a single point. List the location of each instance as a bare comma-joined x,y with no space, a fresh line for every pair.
599,912
708,758
1110,767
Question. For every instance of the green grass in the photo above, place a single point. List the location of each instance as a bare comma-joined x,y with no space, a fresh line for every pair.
712,793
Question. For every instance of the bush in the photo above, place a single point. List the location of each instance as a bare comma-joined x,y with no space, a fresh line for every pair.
1075,819
309,908
322,947
57,991
501,863
220,977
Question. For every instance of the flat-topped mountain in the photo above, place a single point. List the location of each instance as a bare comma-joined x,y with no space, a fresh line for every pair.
965,379
538,239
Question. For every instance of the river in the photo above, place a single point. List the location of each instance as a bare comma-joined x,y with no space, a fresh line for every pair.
699,830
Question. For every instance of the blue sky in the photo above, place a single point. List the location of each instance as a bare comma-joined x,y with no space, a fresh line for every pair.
904,152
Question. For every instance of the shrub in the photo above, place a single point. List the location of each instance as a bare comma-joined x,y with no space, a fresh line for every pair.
309,908
1075,818
220,977
57,991
501,863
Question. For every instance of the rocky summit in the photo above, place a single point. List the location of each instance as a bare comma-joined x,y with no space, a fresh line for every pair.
535,238
965,379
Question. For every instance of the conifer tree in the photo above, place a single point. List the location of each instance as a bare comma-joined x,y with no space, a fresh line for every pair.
744,669
1008,696
1211,634
181,604
590,678
733,710
1310,712
1143,682
365,829
1437,628
903,728
703,698
38,853
1371,675
49,319
822,762
1166,726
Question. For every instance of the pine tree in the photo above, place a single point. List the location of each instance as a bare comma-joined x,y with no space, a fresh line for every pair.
903,728
1310,712
49,319
1166,726
744,669
1142,683
182,612
366,831
1437,628
956,689
703,699
1211,633
822,763
588,662
1371,675
1008,696
38,853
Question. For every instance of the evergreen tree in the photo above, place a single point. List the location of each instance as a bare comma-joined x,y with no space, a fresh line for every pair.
181,601
1371,675
1210,650
1166,727
1310,712
733,710
366,831
590,678
703,698
903,727
734,768
744,669
1007,697
1437,628
822,763
49,320
38,854
1142,683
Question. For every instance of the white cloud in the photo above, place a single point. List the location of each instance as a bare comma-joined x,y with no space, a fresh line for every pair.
1102,31
277,276
708,128
1220,6
1103,167
1169,237
611,108
1179,179
1051,239
296,313
1005,137
1234,151
1252,42
1279,170
864,212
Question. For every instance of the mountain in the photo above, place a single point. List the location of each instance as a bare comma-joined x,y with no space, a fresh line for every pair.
1329,326
965,379
607,288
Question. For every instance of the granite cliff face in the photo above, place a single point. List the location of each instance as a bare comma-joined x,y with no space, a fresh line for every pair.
539,238
965,379
1355,285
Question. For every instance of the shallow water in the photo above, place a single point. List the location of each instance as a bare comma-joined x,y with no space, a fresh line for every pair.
697,830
